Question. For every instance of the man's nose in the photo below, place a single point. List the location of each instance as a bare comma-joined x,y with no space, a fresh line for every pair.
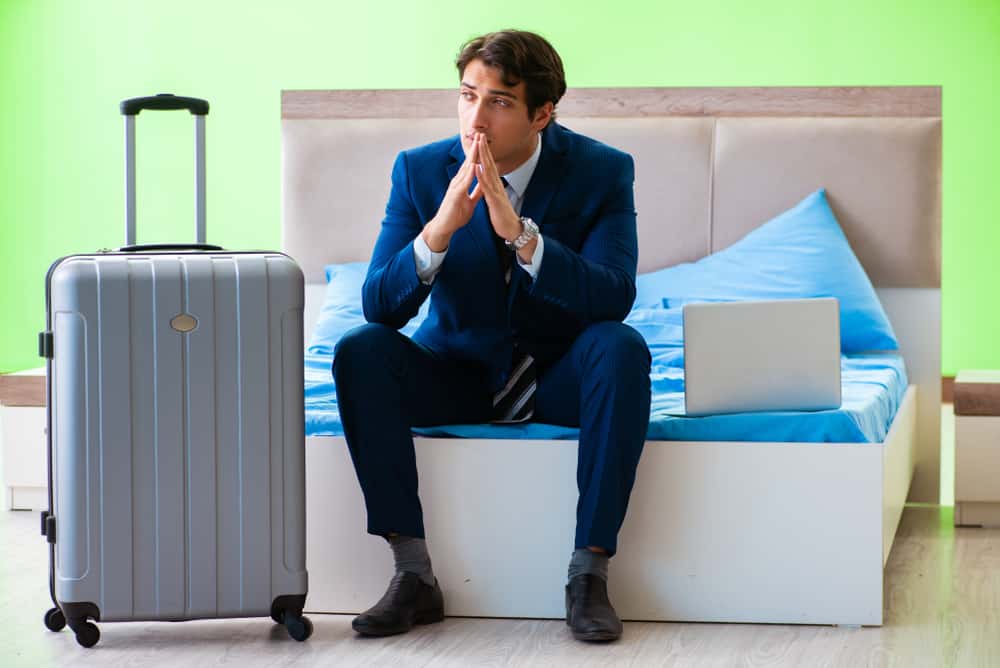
479,117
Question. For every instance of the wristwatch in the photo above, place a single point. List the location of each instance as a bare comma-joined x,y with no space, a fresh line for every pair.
528,232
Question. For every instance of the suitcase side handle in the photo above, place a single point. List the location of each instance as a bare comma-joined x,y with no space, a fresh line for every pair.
164,102
142,248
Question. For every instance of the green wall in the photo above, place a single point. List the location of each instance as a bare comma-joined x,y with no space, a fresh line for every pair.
64,65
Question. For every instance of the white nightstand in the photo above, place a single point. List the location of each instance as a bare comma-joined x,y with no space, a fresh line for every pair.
23,440
977,448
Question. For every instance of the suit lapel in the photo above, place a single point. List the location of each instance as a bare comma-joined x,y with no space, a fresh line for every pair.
457,158
548,175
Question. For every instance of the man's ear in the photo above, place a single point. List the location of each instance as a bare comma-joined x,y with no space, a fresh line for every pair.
542,116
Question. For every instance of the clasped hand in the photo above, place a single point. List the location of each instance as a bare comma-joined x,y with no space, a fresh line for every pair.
458,203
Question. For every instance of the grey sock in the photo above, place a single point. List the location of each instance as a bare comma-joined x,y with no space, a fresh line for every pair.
411,556
586,561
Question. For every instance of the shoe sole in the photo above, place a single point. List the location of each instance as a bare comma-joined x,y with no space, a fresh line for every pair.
594,636
432,617
424,618
597,636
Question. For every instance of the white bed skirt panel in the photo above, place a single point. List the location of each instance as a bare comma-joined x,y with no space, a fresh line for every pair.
716,532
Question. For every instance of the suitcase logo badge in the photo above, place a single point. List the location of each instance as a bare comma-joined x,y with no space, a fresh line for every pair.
184,323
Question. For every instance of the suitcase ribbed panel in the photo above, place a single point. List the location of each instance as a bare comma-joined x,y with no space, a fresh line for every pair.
202,433
178,456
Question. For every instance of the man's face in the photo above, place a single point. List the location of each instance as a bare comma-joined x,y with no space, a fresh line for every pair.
487,105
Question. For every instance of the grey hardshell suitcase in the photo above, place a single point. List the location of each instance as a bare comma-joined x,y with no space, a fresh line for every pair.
176,428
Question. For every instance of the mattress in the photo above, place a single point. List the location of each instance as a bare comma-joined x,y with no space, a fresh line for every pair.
873,387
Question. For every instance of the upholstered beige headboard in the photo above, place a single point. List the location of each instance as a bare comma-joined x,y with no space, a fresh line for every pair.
711,165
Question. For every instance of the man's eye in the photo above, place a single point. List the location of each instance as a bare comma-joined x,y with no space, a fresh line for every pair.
500,102
466,95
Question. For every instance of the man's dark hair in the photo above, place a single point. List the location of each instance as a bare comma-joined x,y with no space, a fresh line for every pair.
520,56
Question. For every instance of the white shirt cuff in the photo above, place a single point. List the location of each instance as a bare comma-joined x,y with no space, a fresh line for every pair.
428,262
536,259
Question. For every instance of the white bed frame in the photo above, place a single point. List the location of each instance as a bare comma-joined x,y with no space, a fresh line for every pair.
716,531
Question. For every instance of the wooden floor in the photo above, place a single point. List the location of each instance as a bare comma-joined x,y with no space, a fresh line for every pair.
942,609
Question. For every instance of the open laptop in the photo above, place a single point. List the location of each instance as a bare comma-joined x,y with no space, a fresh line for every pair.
780,355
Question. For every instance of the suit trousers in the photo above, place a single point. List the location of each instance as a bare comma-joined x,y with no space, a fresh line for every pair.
387,383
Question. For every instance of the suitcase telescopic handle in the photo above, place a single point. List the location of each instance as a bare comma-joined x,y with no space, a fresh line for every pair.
165,101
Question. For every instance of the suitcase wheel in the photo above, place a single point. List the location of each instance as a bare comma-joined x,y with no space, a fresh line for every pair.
55,620
299,627
87,634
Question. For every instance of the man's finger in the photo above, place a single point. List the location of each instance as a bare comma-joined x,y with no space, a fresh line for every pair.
494,188
464,173
473,155
490,189
489,166
485,172
469,166
485,151
486,156
476,193
472,173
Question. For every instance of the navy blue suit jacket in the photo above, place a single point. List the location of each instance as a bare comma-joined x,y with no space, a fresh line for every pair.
581,197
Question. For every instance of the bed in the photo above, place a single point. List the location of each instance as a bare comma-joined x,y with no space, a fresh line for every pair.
717,530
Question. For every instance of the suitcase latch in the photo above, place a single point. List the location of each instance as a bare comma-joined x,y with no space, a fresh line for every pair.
45,344
50,528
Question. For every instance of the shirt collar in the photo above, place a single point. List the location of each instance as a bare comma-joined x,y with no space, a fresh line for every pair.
518,179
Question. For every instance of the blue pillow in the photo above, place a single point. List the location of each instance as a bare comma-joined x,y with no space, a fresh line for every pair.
801,253
343,284
342,310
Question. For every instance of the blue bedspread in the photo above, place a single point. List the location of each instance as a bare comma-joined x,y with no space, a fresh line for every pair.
873,387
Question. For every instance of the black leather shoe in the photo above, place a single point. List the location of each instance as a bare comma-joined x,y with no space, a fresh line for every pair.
408,601
588,611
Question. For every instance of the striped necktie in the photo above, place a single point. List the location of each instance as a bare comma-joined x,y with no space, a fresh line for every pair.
515,402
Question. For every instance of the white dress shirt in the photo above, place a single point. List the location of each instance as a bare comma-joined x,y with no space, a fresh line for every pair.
429,263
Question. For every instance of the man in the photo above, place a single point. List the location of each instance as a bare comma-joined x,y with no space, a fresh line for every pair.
522,233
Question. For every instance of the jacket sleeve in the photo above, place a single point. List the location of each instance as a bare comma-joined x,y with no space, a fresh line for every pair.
392,292
598,283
